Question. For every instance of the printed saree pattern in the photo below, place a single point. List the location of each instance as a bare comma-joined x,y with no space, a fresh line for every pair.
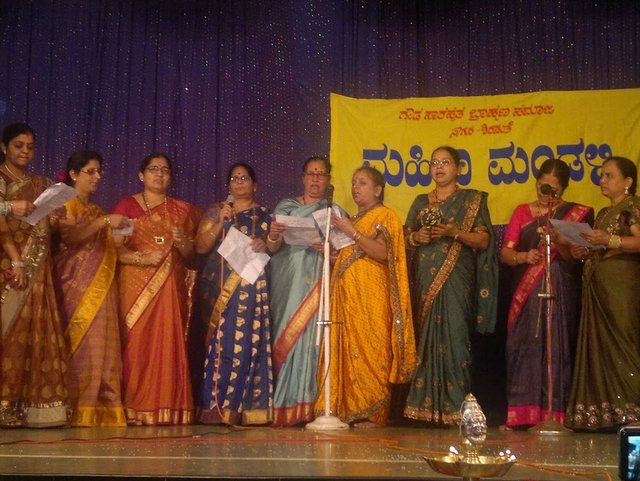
32,389
454,291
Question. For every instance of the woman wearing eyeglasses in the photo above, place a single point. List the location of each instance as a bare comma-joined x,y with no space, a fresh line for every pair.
295,293
237,386
154,294
455,281
85,264
32,351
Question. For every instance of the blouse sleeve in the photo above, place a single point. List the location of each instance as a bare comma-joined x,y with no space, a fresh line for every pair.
512,234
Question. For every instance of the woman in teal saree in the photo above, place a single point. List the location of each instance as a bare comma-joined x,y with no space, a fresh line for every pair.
455,277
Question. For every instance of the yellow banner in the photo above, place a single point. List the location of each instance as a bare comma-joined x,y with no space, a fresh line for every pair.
502,140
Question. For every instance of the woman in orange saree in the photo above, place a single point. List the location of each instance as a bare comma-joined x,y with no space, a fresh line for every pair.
85,277
32,390
154,298
372,344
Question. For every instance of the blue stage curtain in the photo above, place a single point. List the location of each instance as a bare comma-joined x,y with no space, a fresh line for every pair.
214,82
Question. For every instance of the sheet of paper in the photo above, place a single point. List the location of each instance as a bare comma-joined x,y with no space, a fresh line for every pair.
236,250
338,239
301,231
51,199
572,230
126,230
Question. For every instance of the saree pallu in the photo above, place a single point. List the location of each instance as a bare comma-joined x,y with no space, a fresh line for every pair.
372,341
606,382
87,294
455,291
154,308
237,387
294,297
526,352
32,389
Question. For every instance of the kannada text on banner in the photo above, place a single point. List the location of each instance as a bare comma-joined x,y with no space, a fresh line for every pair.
502,141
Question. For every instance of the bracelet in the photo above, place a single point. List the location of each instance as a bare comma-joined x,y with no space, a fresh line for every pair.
455,237
515,259
356,236
19,264
10,207
273,241
615,242
412,240
137,258
107,221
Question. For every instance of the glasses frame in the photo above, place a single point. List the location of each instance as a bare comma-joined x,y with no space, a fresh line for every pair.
159,169
237,179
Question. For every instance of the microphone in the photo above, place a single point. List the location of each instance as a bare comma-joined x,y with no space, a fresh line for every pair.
546,189
230,200
330,189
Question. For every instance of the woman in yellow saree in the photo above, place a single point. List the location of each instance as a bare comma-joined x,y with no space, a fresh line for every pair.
85,277
154,299
32,390
372,344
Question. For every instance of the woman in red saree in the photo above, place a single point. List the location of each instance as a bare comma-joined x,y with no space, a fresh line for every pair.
33,356
85,277
153,299
526,340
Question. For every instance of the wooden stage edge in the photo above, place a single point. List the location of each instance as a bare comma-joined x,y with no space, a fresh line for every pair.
214,452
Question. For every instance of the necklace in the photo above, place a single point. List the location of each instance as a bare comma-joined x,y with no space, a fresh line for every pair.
439,200
158,239
359,215
11,173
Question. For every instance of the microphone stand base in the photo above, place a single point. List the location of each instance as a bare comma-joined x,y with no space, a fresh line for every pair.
326,423
550,427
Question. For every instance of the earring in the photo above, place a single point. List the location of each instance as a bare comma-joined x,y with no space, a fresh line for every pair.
626,190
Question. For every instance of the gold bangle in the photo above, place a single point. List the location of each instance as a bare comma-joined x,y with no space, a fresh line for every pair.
615,242
107,221
269,239
412,240
455,237
515,259
137,258
356,236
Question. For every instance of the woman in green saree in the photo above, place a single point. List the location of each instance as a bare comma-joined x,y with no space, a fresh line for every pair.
455,275
606,381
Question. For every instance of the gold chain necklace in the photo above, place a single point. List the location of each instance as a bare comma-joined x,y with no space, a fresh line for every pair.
10,172
158,239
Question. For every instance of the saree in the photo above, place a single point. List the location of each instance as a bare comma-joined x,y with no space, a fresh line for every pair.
454,291
155,309
294,298
32,387
237,387
606,382
526,351
87,295
372,341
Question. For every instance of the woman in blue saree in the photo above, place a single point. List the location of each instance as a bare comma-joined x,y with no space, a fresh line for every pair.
295,294
455,275
237,387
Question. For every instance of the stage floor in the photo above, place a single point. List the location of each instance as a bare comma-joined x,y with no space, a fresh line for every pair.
267,453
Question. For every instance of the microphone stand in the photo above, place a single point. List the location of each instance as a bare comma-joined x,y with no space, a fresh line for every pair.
548,426
326,422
